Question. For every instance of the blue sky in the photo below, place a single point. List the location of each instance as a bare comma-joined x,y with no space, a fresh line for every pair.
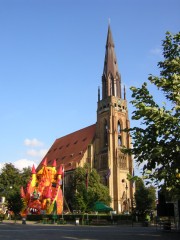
51,63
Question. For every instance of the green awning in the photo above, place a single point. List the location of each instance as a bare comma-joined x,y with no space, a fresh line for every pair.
101,207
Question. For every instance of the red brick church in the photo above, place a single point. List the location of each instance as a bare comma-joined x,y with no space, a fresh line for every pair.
100,144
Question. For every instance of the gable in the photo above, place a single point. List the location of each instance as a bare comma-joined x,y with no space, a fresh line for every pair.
69,150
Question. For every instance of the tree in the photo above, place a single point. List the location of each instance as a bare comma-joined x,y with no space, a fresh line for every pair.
15,203
145,198
86,189
25,175
11,180
156,143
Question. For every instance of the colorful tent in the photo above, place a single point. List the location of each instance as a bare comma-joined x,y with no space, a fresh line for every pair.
43,194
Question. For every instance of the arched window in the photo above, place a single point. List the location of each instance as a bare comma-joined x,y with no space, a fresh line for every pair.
105,133
119,134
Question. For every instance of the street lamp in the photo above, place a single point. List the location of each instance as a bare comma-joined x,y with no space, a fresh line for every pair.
126,197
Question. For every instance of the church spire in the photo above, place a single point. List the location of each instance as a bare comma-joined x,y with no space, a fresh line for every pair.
111,80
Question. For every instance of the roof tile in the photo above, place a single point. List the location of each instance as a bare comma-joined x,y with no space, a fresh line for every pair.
75,143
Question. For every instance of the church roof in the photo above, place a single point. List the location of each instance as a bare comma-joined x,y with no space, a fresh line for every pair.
69,150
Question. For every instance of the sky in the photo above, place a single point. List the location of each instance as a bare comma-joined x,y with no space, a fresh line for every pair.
51,64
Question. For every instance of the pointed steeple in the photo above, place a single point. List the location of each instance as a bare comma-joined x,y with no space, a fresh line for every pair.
109,41
111,80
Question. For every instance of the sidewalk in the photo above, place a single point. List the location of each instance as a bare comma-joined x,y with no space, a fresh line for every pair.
18,222
21,222
134,226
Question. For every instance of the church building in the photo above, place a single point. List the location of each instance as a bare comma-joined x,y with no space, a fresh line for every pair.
100,144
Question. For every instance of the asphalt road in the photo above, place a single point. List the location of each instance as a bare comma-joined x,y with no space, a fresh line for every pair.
11,231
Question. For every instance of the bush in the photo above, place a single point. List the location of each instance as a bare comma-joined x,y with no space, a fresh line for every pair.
73,217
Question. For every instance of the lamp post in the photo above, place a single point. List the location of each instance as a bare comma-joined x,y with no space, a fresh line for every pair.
126,197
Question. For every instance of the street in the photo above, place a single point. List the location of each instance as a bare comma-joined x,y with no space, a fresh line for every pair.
9,231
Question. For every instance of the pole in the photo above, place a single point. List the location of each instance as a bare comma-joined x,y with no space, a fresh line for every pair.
63,192
126,197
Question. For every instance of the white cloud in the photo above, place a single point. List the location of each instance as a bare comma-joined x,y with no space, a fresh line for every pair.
33,142
31,152
23,163
37,153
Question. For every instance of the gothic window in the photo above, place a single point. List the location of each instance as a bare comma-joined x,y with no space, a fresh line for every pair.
119,134
105,133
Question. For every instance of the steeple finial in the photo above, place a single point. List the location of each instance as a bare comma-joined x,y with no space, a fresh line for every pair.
109,21
124,92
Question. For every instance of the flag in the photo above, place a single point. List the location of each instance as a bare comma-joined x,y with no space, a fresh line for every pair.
87,179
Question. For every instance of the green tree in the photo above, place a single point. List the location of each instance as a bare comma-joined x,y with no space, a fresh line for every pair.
15,203
25,175
87,189
10,180
156,143
145,198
